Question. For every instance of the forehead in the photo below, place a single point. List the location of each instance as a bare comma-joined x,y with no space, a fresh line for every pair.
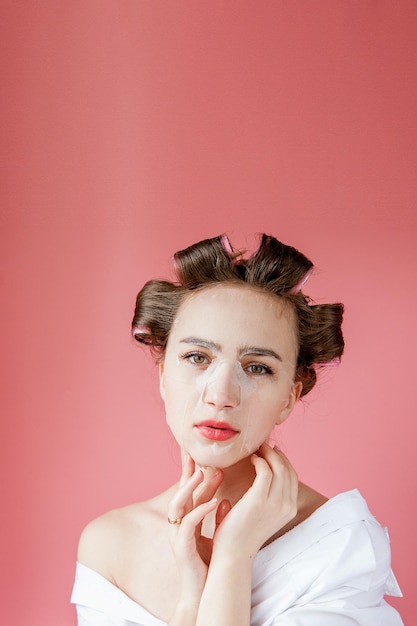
243,314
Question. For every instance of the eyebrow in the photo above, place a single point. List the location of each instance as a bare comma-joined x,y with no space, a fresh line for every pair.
245,350
260,352
203,343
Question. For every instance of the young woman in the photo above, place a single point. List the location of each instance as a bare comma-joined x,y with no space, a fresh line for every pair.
238,541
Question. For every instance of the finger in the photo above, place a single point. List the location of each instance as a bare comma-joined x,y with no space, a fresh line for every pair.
222,510
276,451
193,520
284,485
185,537
263,478
182,502
278,462
188,468
207,489
291,473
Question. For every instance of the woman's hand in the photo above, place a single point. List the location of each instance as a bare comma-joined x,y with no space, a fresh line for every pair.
268,505
206,565
192,502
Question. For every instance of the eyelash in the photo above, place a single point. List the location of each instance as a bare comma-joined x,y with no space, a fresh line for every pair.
188,356
267,371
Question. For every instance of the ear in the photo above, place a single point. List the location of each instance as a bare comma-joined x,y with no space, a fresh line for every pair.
295,393
161,380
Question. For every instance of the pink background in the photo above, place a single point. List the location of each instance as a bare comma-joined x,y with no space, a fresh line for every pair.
131,129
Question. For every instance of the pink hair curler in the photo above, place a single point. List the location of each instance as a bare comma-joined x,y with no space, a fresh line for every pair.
142,334
227,247
301,283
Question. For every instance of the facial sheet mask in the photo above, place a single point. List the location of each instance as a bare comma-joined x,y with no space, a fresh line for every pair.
230,382
221,392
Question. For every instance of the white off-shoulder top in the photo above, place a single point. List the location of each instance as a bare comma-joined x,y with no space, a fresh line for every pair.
333,569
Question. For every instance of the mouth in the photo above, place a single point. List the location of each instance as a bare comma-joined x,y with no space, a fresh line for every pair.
216,431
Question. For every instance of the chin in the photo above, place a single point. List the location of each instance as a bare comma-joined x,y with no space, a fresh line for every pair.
218,456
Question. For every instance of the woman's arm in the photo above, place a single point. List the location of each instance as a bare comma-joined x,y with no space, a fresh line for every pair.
264,509
221,593
193,501
226,599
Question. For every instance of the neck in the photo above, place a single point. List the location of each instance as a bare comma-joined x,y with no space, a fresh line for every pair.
236,480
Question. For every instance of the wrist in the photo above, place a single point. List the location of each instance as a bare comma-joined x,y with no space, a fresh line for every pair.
185,614
226,599
229,562
233,556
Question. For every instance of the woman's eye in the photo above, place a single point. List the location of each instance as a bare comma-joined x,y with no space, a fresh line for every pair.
196,358
258,369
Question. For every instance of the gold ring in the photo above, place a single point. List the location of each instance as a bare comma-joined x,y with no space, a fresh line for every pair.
174,521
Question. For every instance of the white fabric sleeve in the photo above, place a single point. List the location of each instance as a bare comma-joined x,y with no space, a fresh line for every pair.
332,615
91,617
352,586
340,580
100,603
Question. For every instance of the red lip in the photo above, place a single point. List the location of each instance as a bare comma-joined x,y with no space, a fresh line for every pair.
216,431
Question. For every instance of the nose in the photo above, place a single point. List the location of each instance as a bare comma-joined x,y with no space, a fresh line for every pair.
222,389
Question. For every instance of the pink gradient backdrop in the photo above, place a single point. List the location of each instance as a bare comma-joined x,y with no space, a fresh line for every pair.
131,129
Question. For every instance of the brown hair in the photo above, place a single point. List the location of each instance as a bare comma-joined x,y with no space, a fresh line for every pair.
275,268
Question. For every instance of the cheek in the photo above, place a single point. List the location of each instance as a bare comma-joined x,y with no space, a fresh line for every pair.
258,419
180,400
174,413
264,412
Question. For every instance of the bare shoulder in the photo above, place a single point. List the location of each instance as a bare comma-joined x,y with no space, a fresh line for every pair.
109,538
309,500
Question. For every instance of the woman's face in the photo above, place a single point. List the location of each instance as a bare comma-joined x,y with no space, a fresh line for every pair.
228,373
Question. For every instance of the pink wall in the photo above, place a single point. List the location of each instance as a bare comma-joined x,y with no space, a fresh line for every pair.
131,129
